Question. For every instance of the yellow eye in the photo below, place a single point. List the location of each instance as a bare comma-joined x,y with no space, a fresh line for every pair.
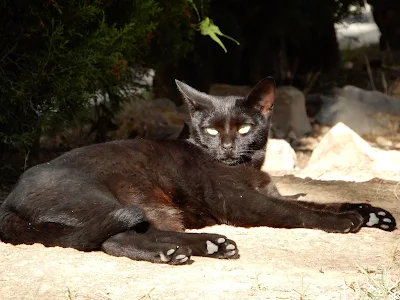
244,128
211,131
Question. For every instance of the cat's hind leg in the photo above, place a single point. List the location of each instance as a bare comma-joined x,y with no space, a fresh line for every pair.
168,246
201,244
120,231
142,246
84,229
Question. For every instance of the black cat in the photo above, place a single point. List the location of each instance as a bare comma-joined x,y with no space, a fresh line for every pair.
232,130
135,198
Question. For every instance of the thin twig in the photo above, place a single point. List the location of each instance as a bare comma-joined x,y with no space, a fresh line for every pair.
371,79
311,82
26,160
394,191
8,52
384,82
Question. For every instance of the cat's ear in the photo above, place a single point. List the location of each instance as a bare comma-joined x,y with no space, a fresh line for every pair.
195,99
263,95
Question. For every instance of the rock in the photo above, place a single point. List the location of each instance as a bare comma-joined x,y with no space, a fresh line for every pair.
394,89
383,141
158,118
365,112
289,119
344,155
308,143
280,158
163,104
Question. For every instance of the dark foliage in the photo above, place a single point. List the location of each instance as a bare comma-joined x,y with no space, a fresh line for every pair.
55,56
289,40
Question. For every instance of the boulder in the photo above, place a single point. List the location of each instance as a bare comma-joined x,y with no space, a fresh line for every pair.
280,158
344,155
290,117
365,112
158,118
394,89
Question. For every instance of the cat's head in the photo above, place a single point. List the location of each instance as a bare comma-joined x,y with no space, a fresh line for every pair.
230,128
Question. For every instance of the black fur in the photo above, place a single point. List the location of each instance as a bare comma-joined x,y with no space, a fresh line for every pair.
226,115
135,198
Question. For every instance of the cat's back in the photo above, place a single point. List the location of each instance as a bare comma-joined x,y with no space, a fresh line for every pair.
101,166
128,154
122,157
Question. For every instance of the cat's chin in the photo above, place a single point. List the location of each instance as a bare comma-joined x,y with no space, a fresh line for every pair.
231,161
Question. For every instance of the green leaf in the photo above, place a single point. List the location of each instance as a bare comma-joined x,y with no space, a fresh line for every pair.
207,27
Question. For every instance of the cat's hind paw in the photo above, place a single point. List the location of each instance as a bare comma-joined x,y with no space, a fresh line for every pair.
175,255
221,247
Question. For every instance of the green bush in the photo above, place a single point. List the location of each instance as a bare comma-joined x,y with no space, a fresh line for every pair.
55,55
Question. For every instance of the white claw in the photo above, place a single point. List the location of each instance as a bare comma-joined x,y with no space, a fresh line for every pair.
163,257
230,247
184,259
170,251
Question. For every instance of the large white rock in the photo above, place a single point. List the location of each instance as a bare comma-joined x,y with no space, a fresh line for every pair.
280,158
344,155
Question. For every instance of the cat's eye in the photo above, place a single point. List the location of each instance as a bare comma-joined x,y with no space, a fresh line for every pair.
244,128
211,131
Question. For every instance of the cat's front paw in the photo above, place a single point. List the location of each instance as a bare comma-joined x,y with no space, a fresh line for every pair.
217,246
375,217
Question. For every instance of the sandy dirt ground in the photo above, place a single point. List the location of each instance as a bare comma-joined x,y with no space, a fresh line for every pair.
274,263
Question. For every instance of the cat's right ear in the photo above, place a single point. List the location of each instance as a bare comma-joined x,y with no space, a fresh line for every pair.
195,99
263,96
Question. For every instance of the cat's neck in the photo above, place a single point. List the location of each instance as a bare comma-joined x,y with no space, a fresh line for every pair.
257,159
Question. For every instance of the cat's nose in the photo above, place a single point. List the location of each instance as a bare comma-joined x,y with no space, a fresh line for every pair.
227,145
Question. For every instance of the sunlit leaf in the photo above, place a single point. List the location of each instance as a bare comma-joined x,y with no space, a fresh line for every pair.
207,27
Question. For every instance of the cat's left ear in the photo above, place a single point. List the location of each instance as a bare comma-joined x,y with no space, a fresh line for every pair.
263,96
